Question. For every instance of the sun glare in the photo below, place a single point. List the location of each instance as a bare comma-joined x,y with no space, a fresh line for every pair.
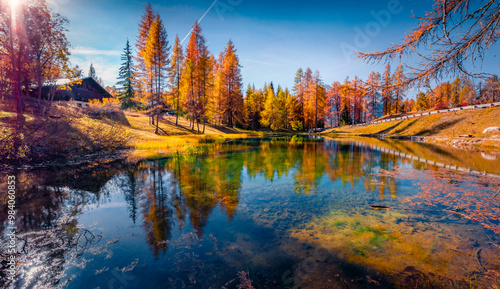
13,5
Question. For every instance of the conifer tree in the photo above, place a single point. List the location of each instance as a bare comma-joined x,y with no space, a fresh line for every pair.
142,82
233,99
126,75
372,86
398,83
156,61
175,75
92,72
387,91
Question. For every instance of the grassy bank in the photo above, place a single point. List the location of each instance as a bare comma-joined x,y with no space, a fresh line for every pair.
438,128
175,138
69,135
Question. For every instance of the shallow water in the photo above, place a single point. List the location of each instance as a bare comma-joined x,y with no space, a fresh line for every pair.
273,213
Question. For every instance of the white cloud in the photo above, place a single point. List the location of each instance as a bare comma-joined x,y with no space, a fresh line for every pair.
106,66
79,50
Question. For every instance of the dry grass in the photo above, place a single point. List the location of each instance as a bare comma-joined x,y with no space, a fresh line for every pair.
447,126
77,132
173,138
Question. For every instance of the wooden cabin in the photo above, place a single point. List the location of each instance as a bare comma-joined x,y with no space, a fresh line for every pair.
81,90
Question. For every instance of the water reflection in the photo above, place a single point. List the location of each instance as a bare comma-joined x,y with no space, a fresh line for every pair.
259,205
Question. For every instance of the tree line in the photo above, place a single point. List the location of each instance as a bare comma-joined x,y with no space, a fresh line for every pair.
206,89
34,49
190,81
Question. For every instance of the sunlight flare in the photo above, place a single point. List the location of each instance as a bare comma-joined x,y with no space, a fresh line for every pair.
13,6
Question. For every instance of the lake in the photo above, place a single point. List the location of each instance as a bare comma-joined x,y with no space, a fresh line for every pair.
285,212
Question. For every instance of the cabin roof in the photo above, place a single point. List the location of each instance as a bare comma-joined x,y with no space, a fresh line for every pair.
66,81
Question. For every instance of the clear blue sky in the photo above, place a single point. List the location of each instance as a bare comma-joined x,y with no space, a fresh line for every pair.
273,38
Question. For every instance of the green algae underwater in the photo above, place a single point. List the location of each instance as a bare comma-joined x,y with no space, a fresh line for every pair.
283,212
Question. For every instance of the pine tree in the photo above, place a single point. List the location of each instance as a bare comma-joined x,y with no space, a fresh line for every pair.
345,117
126,74
92,72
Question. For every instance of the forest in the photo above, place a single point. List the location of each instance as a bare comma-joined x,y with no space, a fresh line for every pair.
191,81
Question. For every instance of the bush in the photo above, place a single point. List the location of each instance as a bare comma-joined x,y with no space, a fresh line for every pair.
109,108
212,139
12,146
440,106
296,126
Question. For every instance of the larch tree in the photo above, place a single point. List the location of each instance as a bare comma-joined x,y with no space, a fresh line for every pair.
270,112
333,104
356,94
219,91
449,39
126,75
175,75
373,94
298,90
233,98
196,78
156,62
492,89
345,100
399,88
387,88
142,82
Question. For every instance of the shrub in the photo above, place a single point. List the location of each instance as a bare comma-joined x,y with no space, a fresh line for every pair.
297,126
212,139
440,106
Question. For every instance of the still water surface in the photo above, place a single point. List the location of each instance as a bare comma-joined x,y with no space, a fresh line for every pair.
273,213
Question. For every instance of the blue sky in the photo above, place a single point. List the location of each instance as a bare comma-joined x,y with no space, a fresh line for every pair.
273,38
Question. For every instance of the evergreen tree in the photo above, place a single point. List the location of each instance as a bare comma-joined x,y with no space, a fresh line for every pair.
92,72
126,74
345,117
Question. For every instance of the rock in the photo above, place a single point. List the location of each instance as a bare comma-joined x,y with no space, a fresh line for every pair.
491,129
489,157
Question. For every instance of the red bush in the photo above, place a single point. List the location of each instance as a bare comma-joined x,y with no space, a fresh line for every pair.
440,106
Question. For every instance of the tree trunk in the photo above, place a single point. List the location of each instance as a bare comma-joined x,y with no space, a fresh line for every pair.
157,121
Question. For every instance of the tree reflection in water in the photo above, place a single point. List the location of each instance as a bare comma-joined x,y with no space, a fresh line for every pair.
172,201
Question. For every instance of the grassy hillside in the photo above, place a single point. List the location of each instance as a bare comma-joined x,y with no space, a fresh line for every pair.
441,128
71,135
